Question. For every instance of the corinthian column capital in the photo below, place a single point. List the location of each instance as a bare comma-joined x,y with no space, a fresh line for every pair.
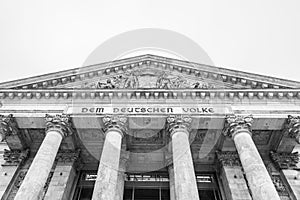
8,126
235,124
59,123
179,123
293,127
115,122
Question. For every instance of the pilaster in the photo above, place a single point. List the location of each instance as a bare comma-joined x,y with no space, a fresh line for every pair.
287,164
11,163
232,176
61,183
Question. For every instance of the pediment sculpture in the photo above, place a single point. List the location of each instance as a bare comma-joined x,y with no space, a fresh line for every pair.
146,79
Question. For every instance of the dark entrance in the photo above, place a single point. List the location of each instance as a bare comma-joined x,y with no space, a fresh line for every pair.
148,186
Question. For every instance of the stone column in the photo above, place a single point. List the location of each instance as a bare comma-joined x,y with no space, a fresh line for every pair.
287,164
172,182
184,173
170,166
259,180
107,175
63,177
232,176
57,127
121,175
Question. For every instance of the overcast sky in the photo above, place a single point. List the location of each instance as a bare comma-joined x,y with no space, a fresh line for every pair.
259,36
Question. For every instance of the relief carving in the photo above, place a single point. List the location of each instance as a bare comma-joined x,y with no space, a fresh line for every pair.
65,156
8,126
145,78
293,127
228,159
285,160
14,157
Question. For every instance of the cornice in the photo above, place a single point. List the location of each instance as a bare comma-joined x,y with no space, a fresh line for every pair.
229,94
120,66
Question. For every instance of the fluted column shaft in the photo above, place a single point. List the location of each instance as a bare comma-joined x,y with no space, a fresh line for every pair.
184,174
107,175
36,177
259,180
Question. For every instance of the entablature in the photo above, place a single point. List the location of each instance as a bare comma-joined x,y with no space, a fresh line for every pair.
213,94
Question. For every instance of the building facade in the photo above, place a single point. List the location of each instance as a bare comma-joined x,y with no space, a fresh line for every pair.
150,127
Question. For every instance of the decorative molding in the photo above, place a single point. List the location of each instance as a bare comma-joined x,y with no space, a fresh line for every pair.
15,157
223,94
293,127
65,156
178,122
228,158
8,126
60,123
285,160
235,123
118,122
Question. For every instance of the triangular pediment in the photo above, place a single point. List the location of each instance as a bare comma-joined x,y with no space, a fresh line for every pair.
150,72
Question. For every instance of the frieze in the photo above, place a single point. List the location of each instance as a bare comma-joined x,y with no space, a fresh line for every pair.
234,123
228,159
61,123
15,157
293,127
285,160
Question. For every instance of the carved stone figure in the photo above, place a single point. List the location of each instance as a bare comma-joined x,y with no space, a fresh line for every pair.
179,82
131,80
163,81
